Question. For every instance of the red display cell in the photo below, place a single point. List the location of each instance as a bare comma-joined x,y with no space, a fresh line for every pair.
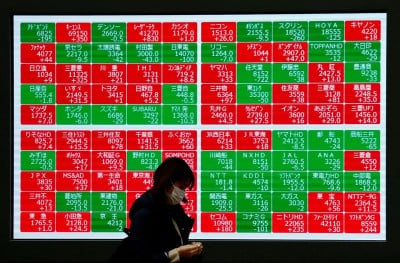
362,30
38,222
73,181
191,205
218,140
253,114
38,53
218,31
179,32
38,181
179,140
73,140
74,73
73,160
143,32
109,160
218,94
290,52
73,32
144,73
289,93
218,73
218,222
179,73
73,222
139,181
363,93
289,222
254,52
362,160
38,201
38,114
326,72
189,156
109,94
37,73
144,140
109,73
254,140
362,202
108,181
73,94
362,114
325,223
289,114
326,93
366,223
218,114
144,94
109,140
326,113
193,215
325,202
38,140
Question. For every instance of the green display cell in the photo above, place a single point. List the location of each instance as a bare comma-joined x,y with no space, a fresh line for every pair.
218,201
109,114
254,94
109,53
218,181
289,160
326,30
253,181
73,202
108,222
109,201
218,52
289,181
254,31
179,53
362,182
325,160
325,181
362,72
218,160
179,94
73,53
325,140
38,160
363,51
179,114
290,31
143,160
144,53
254,73
73,114
38,32
253,222
289,201
289,139
290,72
362,139
108,32
37,94
253,201
326,52
253,160
144,114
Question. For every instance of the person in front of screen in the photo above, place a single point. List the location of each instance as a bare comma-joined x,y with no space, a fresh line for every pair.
160,228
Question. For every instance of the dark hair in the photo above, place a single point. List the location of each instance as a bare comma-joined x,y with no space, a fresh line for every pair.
171,170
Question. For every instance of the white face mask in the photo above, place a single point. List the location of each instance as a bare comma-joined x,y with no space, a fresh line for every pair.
176,196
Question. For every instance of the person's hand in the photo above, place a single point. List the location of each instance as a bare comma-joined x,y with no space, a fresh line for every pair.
190,250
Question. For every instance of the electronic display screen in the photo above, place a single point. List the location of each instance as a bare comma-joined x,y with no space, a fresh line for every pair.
281,117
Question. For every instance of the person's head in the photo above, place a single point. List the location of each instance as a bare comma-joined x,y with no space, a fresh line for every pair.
172,177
